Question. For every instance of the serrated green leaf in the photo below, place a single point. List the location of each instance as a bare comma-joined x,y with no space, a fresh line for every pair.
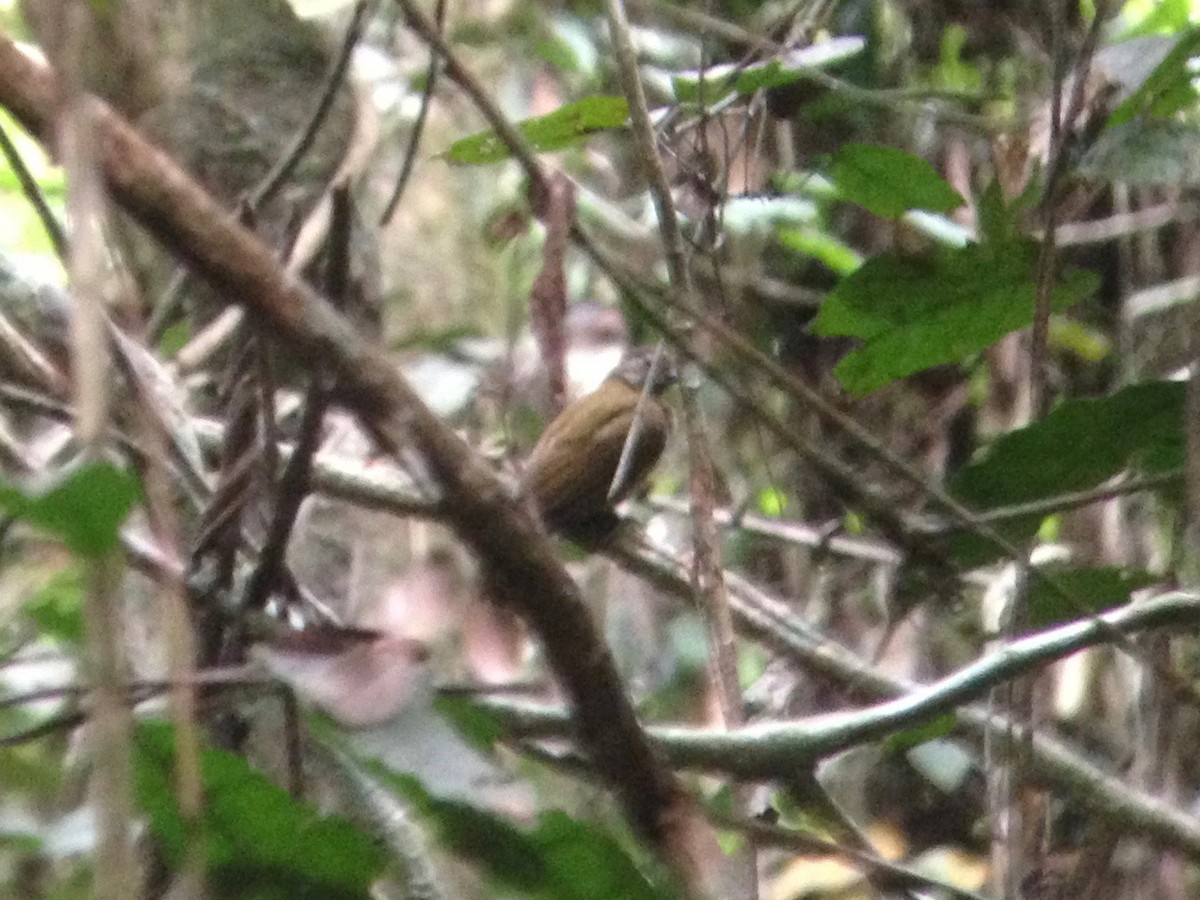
258,842
561,128
917,312
890,182
83,507
1092,591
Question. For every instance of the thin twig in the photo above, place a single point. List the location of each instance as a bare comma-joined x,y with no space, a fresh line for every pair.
628,449
880,871
116,873
1061,503
800,534
178,639
1053,763
707,572
294,486
508,541
1060,126
414,139
1004,800
286,164
846,482
33,193
647,151
465,79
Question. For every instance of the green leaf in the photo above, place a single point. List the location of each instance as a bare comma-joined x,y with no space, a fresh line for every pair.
1088,343
821,246
504,850
559,53
997,222
560,858
561,128
917,312
1094,590
84,507
889,182
772,502
57,606
1162,16
720,81
175,338
1078,445
913,737
953,72
257,841
1168,89
476,724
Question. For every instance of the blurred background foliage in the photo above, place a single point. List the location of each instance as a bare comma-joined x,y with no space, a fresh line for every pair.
865,188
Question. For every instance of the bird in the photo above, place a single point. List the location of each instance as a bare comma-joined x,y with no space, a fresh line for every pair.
569,474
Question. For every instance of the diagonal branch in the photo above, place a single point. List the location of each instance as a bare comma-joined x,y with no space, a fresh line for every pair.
511,548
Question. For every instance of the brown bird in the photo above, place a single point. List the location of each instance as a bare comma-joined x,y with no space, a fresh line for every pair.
570,473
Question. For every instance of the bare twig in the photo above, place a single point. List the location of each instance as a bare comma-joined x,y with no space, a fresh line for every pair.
1060,129
33,193
509,543
751,753
880,871
178,637
286,164
463,77
294,485
414,139
116,871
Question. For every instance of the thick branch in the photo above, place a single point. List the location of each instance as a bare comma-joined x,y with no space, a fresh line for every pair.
511,548
774,749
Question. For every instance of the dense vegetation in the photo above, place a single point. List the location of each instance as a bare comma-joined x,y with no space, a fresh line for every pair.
906,608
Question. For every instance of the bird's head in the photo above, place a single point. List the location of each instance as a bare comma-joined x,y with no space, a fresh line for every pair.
642,365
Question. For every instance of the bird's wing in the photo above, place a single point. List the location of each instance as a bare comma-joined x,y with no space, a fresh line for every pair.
571,469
